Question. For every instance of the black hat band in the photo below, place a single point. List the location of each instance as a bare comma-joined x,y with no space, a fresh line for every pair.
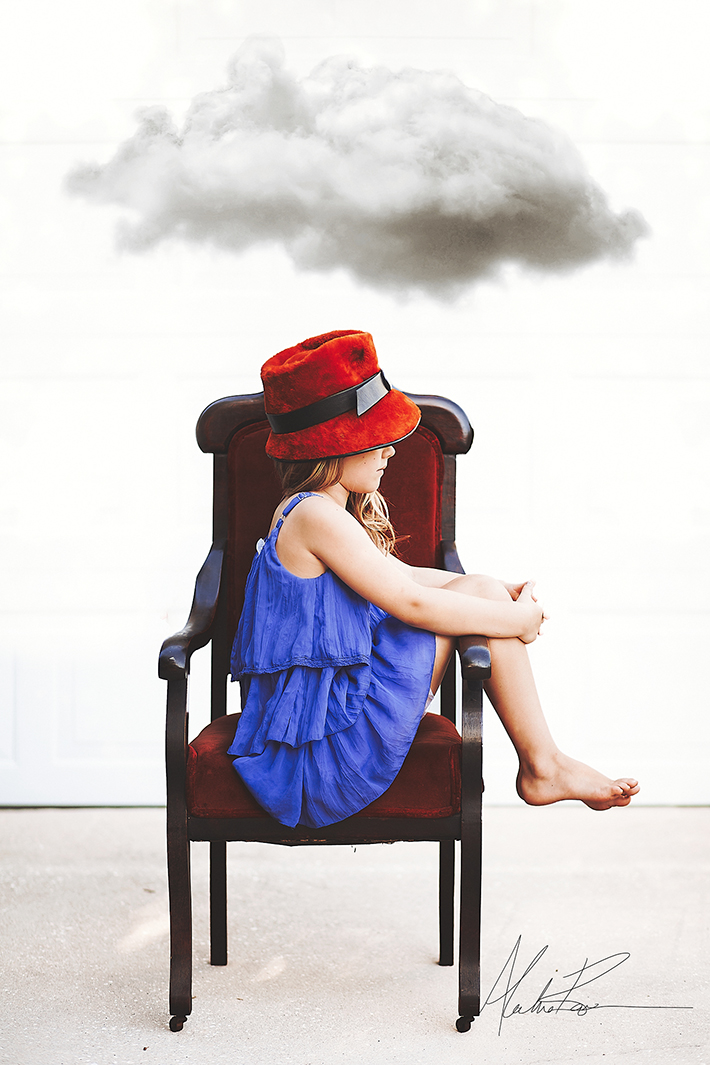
359,398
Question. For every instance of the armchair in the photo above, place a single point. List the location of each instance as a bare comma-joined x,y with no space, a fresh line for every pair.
436,795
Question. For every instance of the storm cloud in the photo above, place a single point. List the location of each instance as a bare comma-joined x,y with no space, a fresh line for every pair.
408,180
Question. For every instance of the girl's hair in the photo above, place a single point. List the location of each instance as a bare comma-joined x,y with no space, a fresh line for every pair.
369,508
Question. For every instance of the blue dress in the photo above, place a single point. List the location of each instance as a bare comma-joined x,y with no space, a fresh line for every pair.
333,690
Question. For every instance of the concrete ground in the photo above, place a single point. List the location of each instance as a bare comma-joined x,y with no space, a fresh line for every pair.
333,949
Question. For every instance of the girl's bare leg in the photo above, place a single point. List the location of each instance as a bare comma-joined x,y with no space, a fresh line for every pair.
546,775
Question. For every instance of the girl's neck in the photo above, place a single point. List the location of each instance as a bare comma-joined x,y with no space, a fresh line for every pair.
337,493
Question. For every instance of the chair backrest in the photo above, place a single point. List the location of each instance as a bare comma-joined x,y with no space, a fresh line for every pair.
419,486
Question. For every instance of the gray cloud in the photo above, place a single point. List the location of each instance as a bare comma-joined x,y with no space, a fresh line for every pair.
408,180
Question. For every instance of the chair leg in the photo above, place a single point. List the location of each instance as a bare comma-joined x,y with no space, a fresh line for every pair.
180,895
446,902
218,903
470,928
470,911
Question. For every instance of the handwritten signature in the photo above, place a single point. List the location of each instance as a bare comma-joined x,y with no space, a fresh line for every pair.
560,1000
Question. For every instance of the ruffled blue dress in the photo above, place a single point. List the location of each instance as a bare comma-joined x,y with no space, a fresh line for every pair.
332,691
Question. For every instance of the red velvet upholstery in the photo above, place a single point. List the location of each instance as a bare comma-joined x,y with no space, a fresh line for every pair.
410,486
427,785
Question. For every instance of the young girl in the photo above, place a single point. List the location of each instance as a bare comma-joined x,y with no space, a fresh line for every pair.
340,644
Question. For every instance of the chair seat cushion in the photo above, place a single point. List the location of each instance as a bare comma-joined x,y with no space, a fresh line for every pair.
427,785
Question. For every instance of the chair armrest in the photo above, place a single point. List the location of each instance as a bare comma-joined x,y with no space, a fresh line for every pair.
174,661
475,655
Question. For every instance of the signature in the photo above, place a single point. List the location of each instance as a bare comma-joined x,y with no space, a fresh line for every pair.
560,1000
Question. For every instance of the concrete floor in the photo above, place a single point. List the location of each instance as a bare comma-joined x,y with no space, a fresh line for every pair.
333,949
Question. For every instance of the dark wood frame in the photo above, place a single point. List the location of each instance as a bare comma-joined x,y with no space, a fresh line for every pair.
207,622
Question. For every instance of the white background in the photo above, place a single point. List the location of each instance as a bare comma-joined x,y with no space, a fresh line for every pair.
588,391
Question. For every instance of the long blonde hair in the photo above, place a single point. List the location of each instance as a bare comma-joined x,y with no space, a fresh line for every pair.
369,508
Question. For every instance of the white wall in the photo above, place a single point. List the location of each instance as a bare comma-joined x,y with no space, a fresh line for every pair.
589,392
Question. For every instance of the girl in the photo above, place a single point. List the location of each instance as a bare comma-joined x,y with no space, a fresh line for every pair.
340,645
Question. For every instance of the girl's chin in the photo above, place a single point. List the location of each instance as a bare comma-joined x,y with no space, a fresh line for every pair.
363,488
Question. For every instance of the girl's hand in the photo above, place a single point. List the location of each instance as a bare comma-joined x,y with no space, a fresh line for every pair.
514,590
534,614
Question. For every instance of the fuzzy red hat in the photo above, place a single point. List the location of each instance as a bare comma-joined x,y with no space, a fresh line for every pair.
327,396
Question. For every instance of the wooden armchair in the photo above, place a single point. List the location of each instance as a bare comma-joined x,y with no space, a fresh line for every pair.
437,793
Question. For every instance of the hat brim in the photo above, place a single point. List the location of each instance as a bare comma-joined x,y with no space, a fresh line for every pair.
390,420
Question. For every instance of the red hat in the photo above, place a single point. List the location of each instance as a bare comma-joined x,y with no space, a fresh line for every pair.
327,396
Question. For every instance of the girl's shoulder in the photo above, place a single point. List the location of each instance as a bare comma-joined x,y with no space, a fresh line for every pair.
311,520
301,500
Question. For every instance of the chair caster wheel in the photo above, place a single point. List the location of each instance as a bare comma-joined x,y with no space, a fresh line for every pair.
176,1023
463,1024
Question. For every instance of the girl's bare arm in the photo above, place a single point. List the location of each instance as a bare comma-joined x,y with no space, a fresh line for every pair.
428,578
439,578
331,535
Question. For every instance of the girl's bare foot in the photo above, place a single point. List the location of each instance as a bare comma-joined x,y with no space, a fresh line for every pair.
562,777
